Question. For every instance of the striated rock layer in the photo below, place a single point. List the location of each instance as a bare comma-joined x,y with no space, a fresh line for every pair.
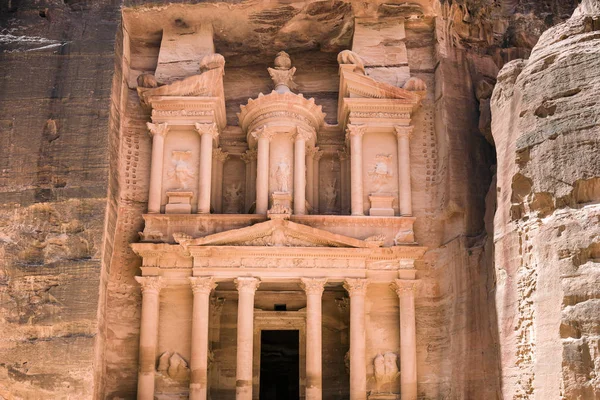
545,123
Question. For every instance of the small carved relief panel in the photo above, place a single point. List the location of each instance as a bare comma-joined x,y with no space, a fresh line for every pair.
180,171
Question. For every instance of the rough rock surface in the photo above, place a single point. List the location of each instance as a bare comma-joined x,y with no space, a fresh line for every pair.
546,126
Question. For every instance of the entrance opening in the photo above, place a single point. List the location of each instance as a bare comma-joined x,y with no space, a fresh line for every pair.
279,365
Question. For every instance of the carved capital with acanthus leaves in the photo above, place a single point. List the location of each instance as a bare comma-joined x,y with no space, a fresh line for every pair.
342,155
209,129
249,156
404,287
311,151
220,155
158,129
303,134
404,131
318,154
150,284
202,284
356,286
246,284
262,132
355,131
313,285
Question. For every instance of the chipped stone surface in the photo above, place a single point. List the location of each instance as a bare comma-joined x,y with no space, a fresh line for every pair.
545,126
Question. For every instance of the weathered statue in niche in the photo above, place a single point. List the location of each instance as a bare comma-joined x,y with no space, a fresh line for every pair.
181,172
330,196
233,197
282,177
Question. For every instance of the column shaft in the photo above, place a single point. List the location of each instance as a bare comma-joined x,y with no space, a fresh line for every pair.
262,177
205,173
356,174
408,339
148,335
158,132
314,337
343,183
201,287
310,177
316,174
357,289
245,335
404,187
219,187
299,175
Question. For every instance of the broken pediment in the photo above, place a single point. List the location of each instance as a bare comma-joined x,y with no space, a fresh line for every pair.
276,233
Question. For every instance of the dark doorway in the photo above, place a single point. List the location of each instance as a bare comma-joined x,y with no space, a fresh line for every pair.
279,365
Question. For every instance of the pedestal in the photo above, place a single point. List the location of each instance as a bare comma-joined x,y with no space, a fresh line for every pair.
179,203
381,205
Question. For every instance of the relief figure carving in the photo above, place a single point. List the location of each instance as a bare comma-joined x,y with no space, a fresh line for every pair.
181,172
233,197
282,176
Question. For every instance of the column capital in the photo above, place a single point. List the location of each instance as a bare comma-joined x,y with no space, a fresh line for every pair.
403,287
311,151
262,132
246,284
220,155
202,284
150,284
249,156
404,131
303,134
158,129
210,129
313,285
342,155
356,286
318,154
355,130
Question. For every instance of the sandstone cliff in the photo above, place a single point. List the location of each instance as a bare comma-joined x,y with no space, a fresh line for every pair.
546,232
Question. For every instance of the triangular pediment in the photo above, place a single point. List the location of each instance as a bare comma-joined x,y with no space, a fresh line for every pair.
277,233
357,85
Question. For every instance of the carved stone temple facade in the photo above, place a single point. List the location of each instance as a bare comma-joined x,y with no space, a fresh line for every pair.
280,222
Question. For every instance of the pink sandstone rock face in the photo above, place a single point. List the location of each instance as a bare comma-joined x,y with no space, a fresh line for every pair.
546,229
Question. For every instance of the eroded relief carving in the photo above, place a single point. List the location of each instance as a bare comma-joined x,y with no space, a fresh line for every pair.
331,195
173,366
233,198
385,367
181,171
381,171
282,176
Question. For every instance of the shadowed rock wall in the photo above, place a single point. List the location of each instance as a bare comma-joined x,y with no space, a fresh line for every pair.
57,61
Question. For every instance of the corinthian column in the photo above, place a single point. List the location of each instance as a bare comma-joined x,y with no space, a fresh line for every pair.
355,134
220,157
158,133
207,133
405,289
310,175
263,136
404,190
302,136
314,347
343,156
151,286
316,174
201,287
357,289
249,157
246,287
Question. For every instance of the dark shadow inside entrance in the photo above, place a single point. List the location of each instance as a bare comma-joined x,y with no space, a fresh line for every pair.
279,365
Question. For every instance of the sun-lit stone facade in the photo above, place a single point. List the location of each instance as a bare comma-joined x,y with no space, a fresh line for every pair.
283,220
